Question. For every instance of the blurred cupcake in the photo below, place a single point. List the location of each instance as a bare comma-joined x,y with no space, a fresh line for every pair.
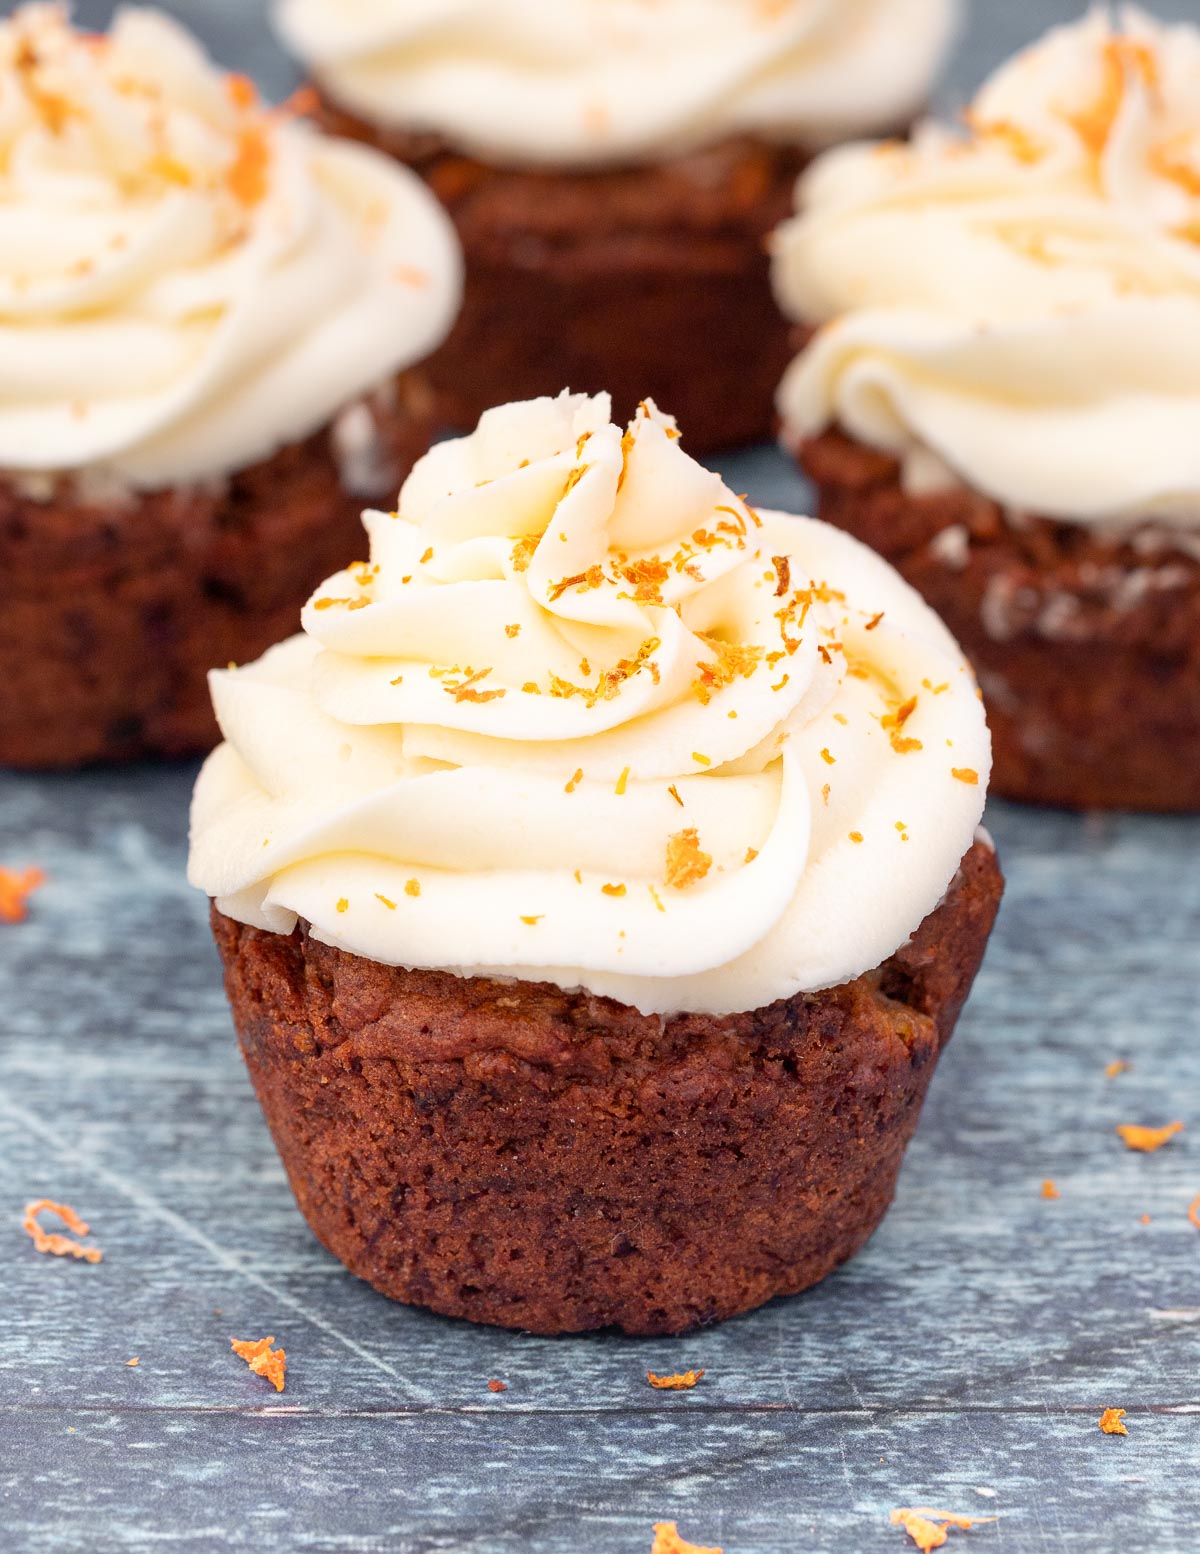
613,167
1001,393
597,882
210,319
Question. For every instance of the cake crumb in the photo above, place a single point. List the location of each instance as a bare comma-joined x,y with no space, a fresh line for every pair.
262,1359
668,1541
683,1382
930,1529
15,891
1147,1140
1110,1421
54,1244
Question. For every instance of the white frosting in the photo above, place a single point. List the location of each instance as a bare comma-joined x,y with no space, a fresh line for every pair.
573,657
188,281
1024,299
583,81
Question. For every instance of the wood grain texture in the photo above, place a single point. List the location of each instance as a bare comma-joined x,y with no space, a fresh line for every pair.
962,1360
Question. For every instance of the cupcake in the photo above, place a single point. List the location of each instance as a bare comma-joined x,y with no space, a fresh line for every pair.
211,319
597,880
613,168
1000,392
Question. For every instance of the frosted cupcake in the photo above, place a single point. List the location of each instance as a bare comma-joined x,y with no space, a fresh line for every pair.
211,318
613,167
1002,395
597,882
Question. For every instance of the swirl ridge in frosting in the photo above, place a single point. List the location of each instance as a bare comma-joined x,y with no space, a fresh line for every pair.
582,81
189,280
585,717
1022,297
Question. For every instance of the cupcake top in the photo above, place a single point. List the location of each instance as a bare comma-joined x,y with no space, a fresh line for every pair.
585,717
579,82
188,280
1021,297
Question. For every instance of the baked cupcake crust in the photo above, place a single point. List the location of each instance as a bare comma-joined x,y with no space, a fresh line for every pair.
1086,643
112,612
648,282
557,1162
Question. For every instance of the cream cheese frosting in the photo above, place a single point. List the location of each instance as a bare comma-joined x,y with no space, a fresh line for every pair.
1021,299
585,717
188,280
574,82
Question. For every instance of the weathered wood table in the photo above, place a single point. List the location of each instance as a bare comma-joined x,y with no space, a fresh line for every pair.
961,1361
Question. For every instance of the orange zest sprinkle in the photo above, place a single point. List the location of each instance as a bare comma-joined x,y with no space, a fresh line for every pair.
684,1382
1122,57
732,659
830,760
51,1242
522,551
247,175
856,836
262,1359
1110,1421
512,631
873,622
131,1363
391,905
674,792
343,905
701,760
895,721
15,891
751,855
1117,1066
497,1386
656,898
1194,1212
965,774
622,780
825,792
612,890
929,1529
783,571
412,888
1172,162
1049,1190
668,1541
686,863
582,581
1147,1140
242,91
574,782
533,921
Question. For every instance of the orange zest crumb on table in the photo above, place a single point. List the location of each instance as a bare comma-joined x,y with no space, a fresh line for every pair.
929,1529
51,1242
1147,1140
262,1359
15,891
683,1382
1117,1066
668,1541
497,1386
1110,1421
1049,1190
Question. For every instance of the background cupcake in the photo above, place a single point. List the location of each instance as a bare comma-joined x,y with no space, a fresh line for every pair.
210,316
1003,394
597,882
613,167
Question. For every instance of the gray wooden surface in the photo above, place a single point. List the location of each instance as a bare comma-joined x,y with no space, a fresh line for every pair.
961,1361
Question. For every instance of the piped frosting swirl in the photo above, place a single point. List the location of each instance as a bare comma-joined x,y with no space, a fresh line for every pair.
585,717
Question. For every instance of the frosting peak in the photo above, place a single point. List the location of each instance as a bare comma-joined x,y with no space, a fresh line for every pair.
1031,282
584,716
187,278
583,81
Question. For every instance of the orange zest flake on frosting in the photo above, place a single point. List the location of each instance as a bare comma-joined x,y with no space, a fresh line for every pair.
613,890
1178,161
1147,1140
856,837
611,680
1018,142
1122,58
343,905
751,855
622,782
674,792
1117,1066
262,1359
1049,1190
391,905
522,551
512,631
646,577
830,760
247,178
668,1541
52,1242
701,759
468,689
686,863
929,1529
732,659
575,781
965,774
241,91
825,792
873,622
783,571
683,1382
349,604
533,921
412,887
582,581
16,887
894,722
573,480
1110,1422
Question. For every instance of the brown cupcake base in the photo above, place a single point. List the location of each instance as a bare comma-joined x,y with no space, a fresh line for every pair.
648,282
113,611
556,1162
1087,646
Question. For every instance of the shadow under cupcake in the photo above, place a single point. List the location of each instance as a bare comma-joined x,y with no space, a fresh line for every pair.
597,880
